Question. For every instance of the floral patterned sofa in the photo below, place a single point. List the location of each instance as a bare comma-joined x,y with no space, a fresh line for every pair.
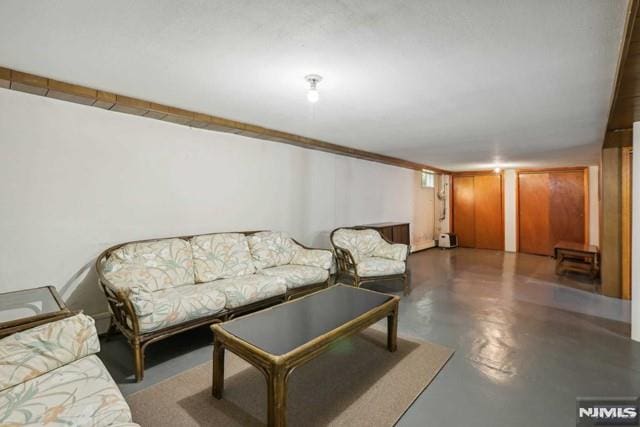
157,288
50,375
364,255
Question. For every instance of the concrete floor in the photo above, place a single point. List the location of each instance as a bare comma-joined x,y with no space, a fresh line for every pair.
527,342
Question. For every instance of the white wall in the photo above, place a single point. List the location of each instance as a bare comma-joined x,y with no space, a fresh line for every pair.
423,216
635,237
510,212
75,180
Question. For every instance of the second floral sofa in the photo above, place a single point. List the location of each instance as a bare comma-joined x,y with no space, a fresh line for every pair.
157,288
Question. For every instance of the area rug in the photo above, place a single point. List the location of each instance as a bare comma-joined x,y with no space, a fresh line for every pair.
356,383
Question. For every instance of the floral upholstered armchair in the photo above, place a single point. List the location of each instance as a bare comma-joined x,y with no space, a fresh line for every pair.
364,255
50,375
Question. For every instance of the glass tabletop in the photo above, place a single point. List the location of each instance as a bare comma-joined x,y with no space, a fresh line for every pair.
282,328
28,303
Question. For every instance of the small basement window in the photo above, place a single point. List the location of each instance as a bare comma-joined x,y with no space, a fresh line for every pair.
428,180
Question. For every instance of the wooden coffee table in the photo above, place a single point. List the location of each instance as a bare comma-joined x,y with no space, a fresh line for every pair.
283,337
578,257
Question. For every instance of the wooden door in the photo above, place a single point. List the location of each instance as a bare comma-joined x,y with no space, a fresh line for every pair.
533,212
464,211
567,207
488,212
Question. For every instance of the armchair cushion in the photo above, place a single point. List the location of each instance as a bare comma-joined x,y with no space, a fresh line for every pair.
179,304
243,290
81,393
361,243
36,351
221,256
298,275
158,264
271,248
321,258
396,251
374,266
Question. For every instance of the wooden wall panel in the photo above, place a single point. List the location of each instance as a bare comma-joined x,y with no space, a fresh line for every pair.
533,211
567,207
464,211
489,223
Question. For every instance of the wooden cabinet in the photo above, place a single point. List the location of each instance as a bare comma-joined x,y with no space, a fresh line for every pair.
478,210
552,207
397,232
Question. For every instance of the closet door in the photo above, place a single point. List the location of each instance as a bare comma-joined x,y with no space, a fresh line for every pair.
552,207
489,212
464,211
533,212
567,206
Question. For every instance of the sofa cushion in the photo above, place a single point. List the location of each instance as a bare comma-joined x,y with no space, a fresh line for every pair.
361,243
271,248
81,393
298,275
244,290
397,251
180,304
221,256
322,258
374,266
36,351
158,264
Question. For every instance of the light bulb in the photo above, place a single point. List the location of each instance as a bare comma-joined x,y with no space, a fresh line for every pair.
497,170
313,96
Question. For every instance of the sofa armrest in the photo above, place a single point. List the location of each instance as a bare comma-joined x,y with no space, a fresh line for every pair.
322,258
36,351
395,251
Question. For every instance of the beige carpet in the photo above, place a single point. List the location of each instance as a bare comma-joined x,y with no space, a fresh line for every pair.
356,383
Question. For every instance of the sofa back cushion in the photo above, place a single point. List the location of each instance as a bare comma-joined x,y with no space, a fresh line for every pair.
36,351
271,249
154,265
361,243
221,256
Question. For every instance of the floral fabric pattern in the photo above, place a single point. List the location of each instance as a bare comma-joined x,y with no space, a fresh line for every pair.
374,266
298,275
180,304
155,265
396,251
361,243
81,393
271,248
312,257
245,290
221,256
34,352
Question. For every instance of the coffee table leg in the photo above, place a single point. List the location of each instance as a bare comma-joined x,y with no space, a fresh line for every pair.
218,369
392,329
277,397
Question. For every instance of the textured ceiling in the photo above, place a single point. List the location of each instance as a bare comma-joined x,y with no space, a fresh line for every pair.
456,84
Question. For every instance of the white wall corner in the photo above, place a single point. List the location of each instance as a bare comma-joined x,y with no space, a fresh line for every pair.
594,205
635,237
510,233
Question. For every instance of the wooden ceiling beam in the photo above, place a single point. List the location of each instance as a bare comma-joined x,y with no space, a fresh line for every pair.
627,73
124,104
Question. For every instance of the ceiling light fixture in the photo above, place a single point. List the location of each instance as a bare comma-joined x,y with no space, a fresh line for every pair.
312,95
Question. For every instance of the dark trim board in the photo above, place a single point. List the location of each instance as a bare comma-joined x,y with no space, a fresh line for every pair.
43,86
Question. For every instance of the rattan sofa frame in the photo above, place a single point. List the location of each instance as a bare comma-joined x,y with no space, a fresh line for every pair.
124,318
346,265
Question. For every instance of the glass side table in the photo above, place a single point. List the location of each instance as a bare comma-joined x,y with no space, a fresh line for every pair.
24,309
